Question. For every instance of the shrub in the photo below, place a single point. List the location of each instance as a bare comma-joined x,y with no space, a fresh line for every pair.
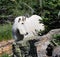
50,14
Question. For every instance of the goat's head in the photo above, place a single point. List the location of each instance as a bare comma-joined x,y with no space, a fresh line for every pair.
18,28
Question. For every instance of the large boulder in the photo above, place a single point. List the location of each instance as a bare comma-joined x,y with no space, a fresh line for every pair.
43,43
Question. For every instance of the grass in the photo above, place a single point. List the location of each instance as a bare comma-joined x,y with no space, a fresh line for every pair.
5,32
5,55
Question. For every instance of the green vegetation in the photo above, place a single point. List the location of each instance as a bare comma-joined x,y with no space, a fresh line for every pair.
16,7
50,11
5,55
56,38
5,32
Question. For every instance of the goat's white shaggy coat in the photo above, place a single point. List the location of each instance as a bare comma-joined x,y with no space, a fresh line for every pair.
27,25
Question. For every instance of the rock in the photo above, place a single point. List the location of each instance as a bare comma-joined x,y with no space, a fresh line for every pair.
56,52
41,46
50,33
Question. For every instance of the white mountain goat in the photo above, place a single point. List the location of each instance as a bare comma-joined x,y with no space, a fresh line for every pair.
25,27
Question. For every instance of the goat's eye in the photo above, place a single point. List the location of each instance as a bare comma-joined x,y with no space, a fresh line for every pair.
26,33
19,19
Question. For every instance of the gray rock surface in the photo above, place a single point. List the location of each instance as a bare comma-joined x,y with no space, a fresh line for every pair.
56,52
41,46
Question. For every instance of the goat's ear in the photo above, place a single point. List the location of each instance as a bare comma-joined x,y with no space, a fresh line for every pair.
25,18
19,19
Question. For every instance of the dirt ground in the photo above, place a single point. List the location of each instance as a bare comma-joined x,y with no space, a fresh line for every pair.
6,47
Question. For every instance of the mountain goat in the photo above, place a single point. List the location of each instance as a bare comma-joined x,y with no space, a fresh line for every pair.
25,27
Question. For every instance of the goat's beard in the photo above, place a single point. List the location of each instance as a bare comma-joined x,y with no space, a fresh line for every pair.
19,35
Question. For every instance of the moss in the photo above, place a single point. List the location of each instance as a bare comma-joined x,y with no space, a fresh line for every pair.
56,38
